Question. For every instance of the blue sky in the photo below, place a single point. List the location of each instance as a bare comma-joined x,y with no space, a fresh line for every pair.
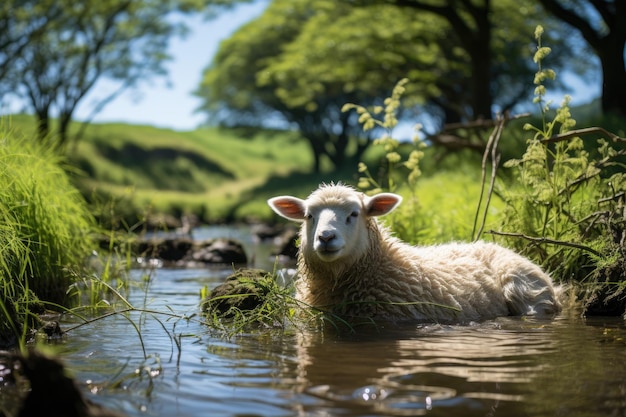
168,101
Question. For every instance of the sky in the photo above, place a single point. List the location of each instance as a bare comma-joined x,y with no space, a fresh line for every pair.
168,102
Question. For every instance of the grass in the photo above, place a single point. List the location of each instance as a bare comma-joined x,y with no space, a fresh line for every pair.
46,231
208,171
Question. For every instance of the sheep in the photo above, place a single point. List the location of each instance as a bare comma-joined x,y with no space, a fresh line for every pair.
350,265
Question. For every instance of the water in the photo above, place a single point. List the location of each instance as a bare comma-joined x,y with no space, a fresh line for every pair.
505,367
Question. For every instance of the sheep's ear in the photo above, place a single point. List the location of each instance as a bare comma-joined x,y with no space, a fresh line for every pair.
382,203
291,208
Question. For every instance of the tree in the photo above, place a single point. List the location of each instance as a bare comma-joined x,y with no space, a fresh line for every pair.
382,43
21,21
494,38
602,23
234,94
55,52
302,59
471,22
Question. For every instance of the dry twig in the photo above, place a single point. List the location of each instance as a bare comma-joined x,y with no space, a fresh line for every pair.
546,240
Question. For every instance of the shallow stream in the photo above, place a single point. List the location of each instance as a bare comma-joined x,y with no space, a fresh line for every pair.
507,367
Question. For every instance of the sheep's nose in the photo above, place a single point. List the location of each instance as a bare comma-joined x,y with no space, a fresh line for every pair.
326,236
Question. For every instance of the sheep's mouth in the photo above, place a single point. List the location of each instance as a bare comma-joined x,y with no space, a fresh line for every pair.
328,254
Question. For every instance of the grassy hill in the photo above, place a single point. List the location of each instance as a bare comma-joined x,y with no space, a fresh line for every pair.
217,174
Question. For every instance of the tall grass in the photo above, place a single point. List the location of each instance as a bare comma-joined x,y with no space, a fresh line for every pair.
45,231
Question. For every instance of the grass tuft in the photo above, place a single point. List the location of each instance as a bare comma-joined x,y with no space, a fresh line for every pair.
45,232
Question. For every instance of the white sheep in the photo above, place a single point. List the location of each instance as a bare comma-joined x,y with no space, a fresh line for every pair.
350,265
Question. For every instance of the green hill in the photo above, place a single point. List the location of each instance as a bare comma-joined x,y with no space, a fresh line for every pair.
211,172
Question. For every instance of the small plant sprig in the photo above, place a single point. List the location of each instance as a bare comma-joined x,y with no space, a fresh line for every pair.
386,118
546,170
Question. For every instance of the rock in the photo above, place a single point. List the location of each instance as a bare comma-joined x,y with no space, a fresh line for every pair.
266,231
52,393
167,249
218,251
182,251
51,330
240,290
289,247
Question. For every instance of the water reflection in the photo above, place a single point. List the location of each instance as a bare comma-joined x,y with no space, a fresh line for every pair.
506,367
411,371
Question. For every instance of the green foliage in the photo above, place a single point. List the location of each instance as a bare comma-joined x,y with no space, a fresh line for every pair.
46,231
285,64
439,206
368,39
368,119
564,197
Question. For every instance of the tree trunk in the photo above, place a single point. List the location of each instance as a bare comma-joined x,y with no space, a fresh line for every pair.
613,75
317,154
43,123
479,49
481,84
64,123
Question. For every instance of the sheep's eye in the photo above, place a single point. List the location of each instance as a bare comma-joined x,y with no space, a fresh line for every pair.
309,216
353,215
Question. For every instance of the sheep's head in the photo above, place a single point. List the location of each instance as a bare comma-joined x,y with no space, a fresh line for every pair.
335,220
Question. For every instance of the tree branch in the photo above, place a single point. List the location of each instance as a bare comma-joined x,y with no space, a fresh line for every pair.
579,132
546,240
573,19
482,123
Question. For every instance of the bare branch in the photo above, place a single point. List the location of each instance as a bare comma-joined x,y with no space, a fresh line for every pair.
545,240
483,123
492,148
581,132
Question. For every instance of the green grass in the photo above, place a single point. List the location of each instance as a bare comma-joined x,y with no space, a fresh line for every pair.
46,231
209,171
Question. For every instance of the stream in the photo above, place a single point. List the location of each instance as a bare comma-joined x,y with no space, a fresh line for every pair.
159,365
